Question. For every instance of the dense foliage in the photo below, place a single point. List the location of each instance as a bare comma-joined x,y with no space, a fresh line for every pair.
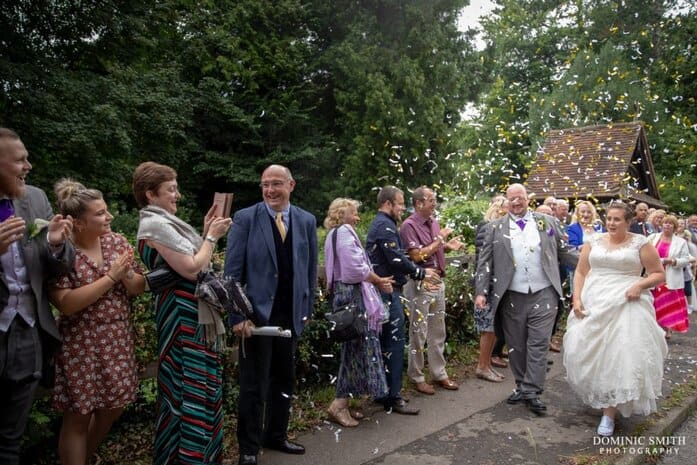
557,64
351,95
220,89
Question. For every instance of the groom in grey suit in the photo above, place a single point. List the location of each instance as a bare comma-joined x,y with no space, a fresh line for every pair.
518,275
31,253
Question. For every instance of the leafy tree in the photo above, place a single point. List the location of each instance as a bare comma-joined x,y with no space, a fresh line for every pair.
613,61
397,74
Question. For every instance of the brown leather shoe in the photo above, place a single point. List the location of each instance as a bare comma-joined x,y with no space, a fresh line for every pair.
498,362
554,347
447,384
424,388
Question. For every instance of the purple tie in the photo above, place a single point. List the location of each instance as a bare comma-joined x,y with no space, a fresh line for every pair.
6,209
520,223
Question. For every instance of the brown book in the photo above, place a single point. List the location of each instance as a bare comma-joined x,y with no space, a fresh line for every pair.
223,204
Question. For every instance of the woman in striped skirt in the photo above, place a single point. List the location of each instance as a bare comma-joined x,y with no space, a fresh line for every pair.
190,335
669,298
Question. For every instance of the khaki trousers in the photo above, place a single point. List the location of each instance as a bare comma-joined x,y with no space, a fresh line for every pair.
426,330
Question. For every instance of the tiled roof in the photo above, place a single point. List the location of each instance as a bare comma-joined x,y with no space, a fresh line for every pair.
591,161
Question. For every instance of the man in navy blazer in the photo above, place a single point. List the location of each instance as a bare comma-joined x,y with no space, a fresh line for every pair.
33,250
272,252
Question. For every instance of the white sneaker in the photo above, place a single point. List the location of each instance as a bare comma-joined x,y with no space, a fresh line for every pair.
606,426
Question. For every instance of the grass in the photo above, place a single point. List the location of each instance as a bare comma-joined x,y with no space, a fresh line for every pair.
681,392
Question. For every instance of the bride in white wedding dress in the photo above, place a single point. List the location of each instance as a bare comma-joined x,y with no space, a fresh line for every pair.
613,347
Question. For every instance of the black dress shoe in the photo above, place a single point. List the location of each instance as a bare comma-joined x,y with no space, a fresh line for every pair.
248,460
400,406
515,398
536,406
286,446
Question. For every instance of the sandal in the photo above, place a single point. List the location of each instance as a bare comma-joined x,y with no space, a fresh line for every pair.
488,376
498,374
342,417
499,362
356,414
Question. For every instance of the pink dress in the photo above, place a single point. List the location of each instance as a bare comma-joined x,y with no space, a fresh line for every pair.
670,304
96,366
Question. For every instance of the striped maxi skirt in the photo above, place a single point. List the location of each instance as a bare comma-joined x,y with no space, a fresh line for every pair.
189,423
671,308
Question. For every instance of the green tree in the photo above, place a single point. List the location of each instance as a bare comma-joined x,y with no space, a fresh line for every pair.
562,64
397,75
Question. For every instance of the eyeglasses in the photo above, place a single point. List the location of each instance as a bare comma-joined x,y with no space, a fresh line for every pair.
273,184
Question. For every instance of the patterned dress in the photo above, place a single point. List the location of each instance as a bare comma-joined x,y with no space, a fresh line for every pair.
189,425
361,370
95,367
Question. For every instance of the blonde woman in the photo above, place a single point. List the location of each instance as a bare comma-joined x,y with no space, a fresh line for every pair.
585,223
491,339
350,276
95,367
655,220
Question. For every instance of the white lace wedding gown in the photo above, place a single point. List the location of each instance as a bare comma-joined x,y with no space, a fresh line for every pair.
614,356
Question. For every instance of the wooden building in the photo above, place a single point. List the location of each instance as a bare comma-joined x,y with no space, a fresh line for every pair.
599,163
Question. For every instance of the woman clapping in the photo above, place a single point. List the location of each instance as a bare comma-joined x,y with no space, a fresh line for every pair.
189,425
95,367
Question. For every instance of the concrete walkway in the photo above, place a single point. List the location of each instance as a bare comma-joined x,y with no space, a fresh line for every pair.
475,426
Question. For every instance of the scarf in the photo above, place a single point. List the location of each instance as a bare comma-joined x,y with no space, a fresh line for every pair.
356,267
158,225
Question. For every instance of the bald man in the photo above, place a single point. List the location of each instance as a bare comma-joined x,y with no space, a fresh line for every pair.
518,275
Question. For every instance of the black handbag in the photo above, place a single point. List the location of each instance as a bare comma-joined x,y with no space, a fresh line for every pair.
348,321
161,278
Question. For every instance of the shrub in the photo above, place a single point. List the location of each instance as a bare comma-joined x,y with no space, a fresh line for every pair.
463,216
459,302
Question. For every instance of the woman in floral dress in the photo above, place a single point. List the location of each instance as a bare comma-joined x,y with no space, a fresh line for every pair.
95,368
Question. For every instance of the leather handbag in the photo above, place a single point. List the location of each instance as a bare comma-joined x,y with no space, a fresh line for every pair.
348,321
161,278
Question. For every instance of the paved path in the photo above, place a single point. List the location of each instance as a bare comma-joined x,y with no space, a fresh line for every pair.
686,437
475,426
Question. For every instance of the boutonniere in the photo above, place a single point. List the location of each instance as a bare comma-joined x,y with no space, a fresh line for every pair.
36,227
543,225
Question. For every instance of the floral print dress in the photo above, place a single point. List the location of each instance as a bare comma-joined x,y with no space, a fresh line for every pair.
96,367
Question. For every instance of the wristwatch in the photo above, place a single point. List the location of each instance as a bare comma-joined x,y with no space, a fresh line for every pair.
211,239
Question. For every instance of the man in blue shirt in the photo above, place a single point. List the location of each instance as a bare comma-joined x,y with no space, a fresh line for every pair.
389,259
